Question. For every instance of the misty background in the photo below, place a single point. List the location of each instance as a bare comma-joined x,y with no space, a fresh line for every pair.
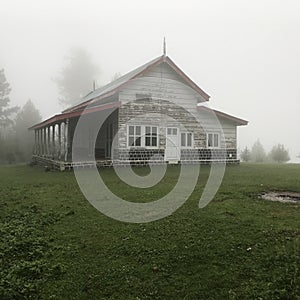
244,54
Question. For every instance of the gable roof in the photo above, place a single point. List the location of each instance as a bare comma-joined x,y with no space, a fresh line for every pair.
236,120
116,85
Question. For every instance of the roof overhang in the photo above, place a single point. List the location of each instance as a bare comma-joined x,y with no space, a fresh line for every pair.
60,117
238,121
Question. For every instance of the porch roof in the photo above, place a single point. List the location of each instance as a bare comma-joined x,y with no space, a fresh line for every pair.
66,115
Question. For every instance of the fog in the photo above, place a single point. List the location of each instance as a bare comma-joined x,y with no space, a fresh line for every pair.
244,54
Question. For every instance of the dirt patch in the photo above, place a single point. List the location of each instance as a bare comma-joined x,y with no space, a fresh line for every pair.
290,197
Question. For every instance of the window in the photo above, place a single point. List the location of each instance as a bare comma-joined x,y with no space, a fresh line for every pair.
213,140
186,139
142,136
134,136
151,136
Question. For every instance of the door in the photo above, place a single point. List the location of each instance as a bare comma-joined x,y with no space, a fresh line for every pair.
172,152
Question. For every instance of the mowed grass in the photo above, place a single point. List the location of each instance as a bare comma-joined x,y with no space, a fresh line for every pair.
55,245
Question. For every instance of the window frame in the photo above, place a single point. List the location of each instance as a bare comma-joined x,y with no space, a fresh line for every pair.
134,135
186,146
151,135
143,136
214,134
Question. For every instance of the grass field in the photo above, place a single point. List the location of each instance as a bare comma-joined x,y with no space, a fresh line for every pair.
55,245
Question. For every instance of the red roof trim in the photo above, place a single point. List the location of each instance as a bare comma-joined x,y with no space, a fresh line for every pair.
224,115
86,103
186,78
60,117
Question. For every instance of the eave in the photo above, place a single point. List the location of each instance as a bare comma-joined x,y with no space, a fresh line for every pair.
236,120
60,117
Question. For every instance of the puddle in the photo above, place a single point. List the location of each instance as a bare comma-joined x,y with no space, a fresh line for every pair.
290,197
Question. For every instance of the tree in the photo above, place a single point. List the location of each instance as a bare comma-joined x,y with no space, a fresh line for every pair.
279,154
26,117
246,155
5,111
6,121
77,77
258,153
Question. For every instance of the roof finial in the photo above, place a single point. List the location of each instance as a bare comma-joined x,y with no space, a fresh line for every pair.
165,47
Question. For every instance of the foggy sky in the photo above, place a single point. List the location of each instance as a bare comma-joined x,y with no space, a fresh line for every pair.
244,54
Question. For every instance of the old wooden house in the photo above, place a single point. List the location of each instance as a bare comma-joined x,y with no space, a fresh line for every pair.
154,112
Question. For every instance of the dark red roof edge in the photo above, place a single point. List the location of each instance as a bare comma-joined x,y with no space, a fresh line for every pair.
186,78
76,113
224,115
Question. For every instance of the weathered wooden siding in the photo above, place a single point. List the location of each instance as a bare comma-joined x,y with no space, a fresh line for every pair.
163,83
168,114
228,127
164,92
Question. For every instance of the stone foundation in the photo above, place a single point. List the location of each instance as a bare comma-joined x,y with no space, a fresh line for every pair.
142,156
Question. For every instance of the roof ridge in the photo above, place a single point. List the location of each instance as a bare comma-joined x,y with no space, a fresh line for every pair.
114,86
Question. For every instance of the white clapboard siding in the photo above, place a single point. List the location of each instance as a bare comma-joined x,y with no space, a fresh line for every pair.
161,82
160,88
165,71
228,127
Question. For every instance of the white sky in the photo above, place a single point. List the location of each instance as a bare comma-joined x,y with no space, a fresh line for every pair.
244,54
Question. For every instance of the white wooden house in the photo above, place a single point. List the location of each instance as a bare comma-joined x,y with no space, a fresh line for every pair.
155,111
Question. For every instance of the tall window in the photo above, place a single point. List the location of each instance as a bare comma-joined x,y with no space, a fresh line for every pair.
213,140
186,139
151,136
134,136
142,136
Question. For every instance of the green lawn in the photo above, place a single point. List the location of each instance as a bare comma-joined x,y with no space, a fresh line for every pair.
55,245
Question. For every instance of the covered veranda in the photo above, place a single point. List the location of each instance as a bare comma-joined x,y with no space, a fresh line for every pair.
54,136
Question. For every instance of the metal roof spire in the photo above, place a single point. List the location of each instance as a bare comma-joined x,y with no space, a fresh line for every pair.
165,47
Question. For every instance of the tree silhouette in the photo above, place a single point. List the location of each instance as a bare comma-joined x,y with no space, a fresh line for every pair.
258,153
76,78
26,117
279,154
246,155
5,111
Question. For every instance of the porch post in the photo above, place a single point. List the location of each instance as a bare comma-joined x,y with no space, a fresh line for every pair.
44,142
35,143
36,138
53,141
59,141
39,142
66,132
45,154
48,142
